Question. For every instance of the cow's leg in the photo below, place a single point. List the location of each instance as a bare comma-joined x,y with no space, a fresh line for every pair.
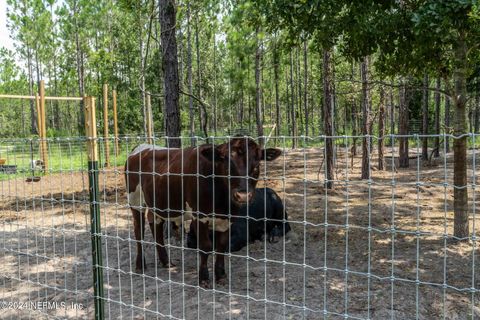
157,231
139,229
205,245
221,239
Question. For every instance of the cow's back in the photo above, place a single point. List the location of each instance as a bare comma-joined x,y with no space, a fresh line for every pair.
170,178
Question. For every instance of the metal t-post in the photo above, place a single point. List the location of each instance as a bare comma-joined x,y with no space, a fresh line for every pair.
95,233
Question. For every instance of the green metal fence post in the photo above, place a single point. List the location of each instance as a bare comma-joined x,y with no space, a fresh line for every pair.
92,149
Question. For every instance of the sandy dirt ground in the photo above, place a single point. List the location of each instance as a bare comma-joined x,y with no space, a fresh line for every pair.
367,250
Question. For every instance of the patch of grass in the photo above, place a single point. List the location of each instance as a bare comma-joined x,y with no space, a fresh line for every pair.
63,156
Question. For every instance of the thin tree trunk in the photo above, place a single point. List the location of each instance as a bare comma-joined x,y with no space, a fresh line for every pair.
298,112
447,124
142,76
354,128
381,129
258,90
460,193
477,112
249,112
80,70
242,107
354,116
287,99
292,107
202,113
403,115
189,75
305,86
366,119
327,118
426,95
54,67
37,66
214,86
437,118
277,98
167,19
392,117
262,96
33,114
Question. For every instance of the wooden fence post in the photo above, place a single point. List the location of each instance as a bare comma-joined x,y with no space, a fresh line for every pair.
43,131
149,120
105,125
95,230
115,123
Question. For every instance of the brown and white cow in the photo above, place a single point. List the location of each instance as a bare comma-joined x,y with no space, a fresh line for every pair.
208,181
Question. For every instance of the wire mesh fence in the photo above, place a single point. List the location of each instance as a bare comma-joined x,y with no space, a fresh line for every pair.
382,247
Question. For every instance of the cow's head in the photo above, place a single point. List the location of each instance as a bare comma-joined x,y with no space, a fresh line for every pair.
237,164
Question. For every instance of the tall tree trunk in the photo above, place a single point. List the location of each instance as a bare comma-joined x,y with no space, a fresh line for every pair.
292,107
381,129
354,128
33,114
242,107
305,86
262,95
249,112
37,67
426,95
364,66
437,118
392,117
142,76
277,97
287,98
354,116
447,124
214,85
80,69
403,115
202,112
327,118
460,193
298,111
189,75
258,90
54,67
58,122
477,112
170,71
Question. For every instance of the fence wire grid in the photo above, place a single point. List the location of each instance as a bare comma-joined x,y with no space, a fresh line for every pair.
376,248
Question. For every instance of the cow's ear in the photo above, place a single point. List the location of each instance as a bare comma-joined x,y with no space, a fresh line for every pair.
212,153
271,154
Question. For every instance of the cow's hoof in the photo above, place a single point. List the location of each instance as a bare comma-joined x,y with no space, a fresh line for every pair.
141,270
220,276
205,284
168,265
222,281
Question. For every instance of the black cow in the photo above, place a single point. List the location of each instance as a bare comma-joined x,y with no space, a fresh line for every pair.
266,205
